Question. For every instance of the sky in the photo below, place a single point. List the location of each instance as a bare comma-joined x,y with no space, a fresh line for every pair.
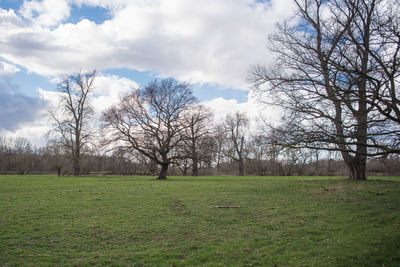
209,43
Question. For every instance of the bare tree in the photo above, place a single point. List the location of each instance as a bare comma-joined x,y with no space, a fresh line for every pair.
324,79
55,156
151,166
384,52
150,121
5,153
184,164
22,155
71,119
258,150
219,140
198,119
236,126
206,149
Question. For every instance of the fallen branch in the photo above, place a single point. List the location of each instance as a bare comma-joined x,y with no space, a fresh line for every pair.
326,189
225,207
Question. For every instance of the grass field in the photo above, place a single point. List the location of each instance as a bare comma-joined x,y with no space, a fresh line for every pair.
282,221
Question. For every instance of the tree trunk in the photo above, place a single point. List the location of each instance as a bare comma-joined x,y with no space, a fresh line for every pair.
241,167
77,166
163,172
195,167
59,172
357,168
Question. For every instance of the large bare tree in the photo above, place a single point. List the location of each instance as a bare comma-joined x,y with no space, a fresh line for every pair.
327,79
71,125
150,121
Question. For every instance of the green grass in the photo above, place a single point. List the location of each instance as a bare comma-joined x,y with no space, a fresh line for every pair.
119,221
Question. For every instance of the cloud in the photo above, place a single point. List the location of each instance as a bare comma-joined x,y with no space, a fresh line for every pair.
7,69
17,109
46,12
253,109
108,91
9,19
211,41
34,131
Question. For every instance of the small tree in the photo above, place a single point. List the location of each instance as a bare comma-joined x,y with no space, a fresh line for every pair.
236,126
198,120
23,155
54,156
218,145
71,119
150,121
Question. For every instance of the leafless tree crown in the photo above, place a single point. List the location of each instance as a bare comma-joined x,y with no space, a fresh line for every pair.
335,75
71,119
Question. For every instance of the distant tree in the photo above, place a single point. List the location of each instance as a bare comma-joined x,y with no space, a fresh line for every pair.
198,120
258,150
206,149
54,156
5,153
150,120
71,125
22,155
151,166
236,127
219,136
184,163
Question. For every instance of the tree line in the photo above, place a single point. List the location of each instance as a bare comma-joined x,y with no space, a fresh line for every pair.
19,156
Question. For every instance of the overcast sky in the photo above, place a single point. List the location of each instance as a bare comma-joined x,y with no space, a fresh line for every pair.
210,43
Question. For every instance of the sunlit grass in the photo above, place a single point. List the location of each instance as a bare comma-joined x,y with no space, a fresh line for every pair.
299,221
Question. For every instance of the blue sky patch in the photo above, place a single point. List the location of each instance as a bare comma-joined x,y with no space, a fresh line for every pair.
208,92
10,4
93,13
140,77
27,83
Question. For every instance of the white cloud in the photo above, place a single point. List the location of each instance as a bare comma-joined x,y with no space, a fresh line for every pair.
7,69
108,91
45,12
33,128
51,97
33,131
202,41
9,19
253,109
